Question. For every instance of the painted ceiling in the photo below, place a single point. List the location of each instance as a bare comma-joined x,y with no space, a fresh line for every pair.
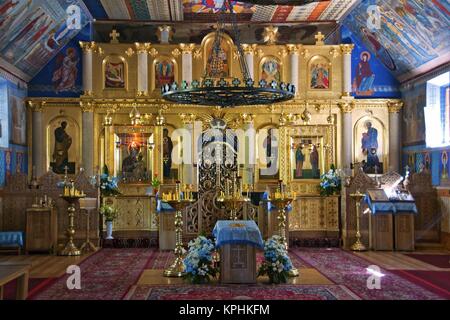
33,31
204,10
411,37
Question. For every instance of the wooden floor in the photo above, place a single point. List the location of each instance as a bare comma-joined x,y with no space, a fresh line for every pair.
45,266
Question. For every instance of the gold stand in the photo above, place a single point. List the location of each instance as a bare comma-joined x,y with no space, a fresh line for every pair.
70,248
176,269
232,204
358,245
282,204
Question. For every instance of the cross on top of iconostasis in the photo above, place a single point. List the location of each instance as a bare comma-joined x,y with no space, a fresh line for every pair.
114,36
319,38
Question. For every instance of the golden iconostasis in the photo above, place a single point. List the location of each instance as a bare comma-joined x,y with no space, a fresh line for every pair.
309,128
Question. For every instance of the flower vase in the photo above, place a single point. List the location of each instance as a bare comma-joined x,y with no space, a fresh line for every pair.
109,230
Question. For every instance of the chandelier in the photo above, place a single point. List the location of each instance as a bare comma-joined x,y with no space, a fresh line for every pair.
213,90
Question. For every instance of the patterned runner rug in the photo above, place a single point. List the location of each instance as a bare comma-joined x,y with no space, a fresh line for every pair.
106,275
240,292
345,268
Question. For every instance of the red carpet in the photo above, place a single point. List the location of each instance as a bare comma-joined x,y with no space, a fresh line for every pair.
437,260
345,268
163,259
105,275
435,281
240,292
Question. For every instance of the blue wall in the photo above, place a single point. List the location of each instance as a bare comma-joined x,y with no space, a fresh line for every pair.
383,83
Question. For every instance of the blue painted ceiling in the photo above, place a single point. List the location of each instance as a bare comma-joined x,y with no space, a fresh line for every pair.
409,37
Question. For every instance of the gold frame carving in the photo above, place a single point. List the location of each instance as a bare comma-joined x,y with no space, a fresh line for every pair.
153,71
76,141
385,142
269,57
208,41
330,73
125,62
327,134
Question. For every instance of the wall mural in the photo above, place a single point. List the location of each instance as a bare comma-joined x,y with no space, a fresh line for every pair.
62,76
13,149
4,114
370,77
32,32
202,10
414,98
18,116
65,70
411,33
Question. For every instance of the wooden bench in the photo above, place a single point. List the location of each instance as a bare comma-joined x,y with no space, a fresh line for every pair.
10,271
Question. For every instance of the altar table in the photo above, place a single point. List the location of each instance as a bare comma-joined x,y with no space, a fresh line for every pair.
238,241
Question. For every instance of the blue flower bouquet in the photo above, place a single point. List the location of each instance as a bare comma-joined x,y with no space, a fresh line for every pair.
199,265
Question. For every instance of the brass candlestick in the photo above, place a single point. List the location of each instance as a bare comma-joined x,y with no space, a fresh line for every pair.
358,245
176,269
232,203
282,204
70,248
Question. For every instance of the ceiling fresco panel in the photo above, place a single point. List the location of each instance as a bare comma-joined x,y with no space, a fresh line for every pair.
411,36
32,32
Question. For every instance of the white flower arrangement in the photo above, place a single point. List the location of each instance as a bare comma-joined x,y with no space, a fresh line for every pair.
199,264
277,263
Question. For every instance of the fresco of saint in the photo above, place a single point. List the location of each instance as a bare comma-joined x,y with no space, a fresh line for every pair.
66,71
363,81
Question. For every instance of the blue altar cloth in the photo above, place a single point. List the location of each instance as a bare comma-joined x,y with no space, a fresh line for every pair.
14,238
162,206
237,232
391,206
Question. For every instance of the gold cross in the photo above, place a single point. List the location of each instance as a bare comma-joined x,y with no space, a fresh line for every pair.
114,35
319,38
